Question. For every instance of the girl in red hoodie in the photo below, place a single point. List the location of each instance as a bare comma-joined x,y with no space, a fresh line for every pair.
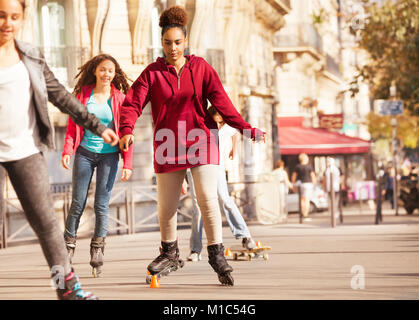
98,88
185,136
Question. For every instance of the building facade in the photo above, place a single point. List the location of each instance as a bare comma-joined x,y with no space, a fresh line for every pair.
316,59
235,36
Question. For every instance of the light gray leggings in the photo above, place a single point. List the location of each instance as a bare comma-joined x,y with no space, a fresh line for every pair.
29,177
168,192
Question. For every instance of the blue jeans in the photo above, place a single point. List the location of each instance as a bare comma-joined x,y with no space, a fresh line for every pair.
227,205
85,162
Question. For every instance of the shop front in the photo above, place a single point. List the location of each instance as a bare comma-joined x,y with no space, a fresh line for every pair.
352,154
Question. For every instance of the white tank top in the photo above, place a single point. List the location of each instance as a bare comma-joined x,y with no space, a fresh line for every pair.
18,130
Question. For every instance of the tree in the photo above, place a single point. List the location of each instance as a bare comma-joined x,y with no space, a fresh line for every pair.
407,128
390,35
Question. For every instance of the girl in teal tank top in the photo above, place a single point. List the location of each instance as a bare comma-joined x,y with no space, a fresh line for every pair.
103,76
103,111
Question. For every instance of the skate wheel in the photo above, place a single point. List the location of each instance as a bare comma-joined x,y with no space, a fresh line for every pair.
266,257
235,256
226,279
148,279
249,257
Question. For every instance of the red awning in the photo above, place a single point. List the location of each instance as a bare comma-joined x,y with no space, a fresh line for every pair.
296,140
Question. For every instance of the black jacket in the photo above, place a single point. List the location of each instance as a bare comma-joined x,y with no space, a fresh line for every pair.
46,87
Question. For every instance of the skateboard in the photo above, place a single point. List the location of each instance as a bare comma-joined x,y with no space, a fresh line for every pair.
249,254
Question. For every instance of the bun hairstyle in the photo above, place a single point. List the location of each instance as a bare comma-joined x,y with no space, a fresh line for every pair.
173,17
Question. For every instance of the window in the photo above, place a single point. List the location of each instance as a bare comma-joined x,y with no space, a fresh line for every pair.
156,49
52,37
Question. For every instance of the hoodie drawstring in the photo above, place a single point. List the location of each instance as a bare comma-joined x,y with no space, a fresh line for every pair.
171,87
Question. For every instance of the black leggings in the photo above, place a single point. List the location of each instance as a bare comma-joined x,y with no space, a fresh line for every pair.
29,177
2,203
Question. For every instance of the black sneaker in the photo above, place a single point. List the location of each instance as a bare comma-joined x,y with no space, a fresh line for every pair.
248,243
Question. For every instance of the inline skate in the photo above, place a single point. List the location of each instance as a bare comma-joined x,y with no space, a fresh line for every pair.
219,263
168,261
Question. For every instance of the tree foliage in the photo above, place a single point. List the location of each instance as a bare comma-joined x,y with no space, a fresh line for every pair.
406,132
390,35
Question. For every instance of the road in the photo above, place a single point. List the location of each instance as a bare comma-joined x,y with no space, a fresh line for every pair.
356,260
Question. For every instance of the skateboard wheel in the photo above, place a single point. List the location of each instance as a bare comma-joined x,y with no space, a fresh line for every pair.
148,279
266,257
235,257
249,257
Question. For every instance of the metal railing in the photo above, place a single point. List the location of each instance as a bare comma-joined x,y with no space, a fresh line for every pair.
266,197
122,211
299,35
133,209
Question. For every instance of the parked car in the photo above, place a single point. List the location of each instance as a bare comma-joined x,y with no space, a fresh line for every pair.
318,201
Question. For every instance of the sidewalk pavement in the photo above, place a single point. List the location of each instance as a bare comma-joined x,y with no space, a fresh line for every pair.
355,260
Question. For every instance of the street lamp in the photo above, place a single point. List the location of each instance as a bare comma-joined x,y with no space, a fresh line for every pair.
393,90
393,94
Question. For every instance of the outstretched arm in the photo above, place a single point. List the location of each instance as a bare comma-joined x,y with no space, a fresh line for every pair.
222,103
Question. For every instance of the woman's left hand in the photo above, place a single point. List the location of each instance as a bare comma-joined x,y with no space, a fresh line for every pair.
258,135
126,174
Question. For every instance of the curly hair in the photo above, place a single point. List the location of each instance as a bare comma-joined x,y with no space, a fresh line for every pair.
173,17
86,74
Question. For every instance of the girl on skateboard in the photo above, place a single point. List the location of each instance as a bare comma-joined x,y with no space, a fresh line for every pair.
99,86
232,213
26,84
179,88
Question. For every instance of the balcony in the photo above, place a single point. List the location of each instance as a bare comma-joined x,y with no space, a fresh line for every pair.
64,62
333,67
283,6
299,38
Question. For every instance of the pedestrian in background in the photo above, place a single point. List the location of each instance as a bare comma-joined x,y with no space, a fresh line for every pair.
389,186
99,86
26,132
305,177
284,184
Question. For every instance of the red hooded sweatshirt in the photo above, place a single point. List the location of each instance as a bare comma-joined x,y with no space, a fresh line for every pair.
75,132
185,134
